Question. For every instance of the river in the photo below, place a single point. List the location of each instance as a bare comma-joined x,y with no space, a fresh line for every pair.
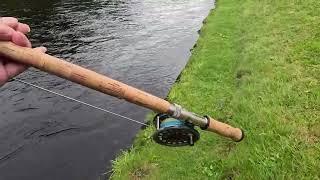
144,43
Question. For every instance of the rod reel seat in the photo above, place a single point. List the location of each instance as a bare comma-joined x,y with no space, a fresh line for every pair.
174,132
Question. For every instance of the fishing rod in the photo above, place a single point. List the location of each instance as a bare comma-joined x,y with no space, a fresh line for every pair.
174,124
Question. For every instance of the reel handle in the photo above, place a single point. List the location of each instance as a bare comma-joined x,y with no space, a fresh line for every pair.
225,130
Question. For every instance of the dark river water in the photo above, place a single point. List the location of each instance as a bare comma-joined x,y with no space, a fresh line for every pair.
144,43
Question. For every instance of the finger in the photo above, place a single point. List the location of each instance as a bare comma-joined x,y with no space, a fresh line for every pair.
13,69
20,39
6,32
9,21
3,74
41,49
24,28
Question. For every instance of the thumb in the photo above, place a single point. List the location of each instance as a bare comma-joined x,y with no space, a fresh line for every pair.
41,49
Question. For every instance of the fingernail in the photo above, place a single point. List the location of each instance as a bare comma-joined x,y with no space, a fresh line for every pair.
44,49
28,28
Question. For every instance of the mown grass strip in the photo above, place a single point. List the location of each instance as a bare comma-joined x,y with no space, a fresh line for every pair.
256,66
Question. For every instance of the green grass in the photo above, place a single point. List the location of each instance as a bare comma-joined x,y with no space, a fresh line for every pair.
256,66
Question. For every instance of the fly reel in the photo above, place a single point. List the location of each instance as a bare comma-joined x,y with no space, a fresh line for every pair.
174,132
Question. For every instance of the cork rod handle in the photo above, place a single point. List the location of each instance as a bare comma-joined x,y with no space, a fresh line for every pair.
225,130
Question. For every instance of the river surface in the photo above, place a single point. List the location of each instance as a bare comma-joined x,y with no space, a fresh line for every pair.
144,43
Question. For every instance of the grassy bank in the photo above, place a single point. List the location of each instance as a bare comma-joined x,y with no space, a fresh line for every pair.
256,66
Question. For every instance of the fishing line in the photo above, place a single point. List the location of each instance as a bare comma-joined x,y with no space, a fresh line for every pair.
78,101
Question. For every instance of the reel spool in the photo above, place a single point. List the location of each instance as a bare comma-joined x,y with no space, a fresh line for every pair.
174,132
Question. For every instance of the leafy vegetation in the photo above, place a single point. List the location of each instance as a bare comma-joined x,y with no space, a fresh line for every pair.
256,66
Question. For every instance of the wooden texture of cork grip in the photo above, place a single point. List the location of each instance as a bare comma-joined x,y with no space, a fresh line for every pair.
82,76
225,130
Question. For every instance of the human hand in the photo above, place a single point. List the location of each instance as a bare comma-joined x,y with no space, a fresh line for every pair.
14,31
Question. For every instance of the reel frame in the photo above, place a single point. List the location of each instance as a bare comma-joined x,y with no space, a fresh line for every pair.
174,132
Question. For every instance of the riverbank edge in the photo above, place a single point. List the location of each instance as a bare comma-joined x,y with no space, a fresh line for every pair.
266,80
145,134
